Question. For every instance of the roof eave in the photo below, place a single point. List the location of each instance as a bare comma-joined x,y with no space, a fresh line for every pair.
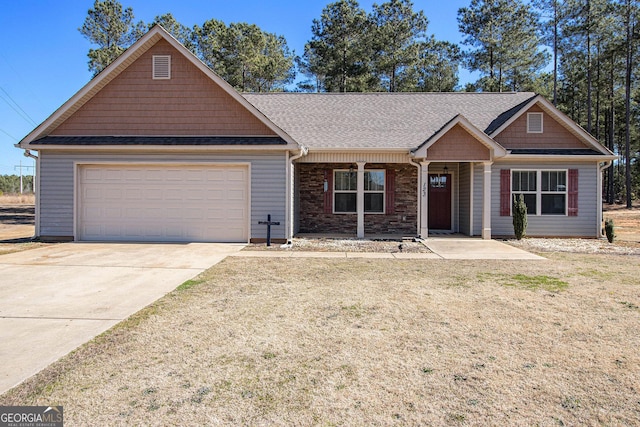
358,150
559,157
159,148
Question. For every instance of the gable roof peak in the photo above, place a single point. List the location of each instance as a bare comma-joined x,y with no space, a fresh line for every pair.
135,51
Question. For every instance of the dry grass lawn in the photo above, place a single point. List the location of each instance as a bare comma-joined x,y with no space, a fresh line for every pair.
367,342
17,216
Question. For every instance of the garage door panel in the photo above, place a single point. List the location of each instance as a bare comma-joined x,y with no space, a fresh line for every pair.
111,193
93,193
131,175
93,175
236,195
163,203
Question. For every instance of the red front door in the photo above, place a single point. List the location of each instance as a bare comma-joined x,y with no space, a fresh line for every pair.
440,201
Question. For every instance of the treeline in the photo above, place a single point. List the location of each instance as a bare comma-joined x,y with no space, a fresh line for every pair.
10,184
584,55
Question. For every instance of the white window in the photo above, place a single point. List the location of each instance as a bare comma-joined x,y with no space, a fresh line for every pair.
345,191
545,191
374,191
534,122
161,67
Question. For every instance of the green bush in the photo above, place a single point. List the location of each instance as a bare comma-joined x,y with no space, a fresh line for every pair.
519,217
608,229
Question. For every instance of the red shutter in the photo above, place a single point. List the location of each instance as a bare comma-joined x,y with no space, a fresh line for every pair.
328,193
505,192
390,192
573,192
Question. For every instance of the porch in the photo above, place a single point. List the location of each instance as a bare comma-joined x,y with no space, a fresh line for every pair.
392,201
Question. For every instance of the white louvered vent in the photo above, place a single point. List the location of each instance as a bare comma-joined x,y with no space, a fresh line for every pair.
161,67
534,122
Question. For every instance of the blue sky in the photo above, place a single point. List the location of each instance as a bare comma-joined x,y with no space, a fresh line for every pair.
43,58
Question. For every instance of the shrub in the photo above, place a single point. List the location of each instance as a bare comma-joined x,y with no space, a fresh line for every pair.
608,229
519,217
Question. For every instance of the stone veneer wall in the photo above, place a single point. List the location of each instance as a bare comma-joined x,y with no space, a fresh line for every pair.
312,218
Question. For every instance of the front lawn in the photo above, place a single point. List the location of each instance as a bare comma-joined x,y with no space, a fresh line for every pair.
257,341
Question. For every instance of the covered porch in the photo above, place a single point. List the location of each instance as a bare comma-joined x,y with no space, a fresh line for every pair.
455,180
441,187
455,199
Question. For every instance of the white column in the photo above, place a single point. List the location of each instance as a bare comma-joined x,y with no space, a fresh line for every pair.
360,199
423,199
471,190
486,202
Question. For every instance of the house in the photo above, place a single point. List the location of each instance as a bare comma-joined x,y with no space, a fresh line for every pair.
157,147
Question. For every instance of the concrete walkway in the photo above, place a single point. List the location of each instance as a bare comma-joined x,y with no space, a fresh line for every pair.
56,298
461,248
441,248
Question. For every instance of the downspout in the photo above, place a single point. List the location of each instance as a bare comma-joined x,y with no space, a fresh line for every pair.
27,153
418,199
601,168
290,199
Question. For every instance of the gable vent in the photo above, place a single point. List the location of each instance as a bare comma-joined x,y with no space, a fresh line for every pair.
161,67
534,122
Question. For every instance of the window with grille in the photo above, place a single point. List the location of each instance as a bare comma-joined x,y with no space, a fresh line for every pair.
345,191
544,191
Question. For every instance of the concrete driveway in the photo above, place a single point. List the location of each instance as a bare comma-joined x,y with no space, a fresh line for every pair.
55,298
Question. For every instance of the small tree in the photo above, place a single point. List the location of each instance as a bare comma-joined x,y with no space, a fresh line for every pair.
519,217
608,229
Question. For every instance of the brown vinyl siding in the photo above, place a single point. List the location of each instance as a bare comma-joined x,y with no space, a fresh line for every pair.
554,135
458,144
189,103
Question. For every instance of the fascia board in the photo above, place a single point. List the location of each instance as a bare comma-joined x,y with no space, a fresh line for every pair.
556,158
166,148
358,150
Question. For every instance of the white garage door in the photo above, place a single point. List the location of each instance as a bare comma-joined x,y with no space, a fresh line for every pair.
163,203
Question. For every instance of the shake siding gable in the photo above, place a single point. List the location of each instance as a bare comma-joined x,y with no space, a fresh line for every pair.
554,135
458,144
189,103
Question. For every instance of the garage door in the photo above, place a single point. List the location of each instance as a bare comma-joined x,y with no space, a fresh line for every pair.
163,203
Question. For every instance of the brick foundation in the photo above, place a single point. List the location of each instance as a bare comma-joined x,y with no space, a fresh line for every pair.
312,216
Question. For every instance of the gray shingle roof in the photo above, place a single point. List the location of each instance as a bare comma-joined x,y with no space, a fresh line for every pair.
381,120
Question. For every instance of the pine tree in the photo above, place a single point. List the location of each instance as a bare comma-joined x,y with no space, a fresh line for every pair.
176,29
505,43
397,33
112,29
339,51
